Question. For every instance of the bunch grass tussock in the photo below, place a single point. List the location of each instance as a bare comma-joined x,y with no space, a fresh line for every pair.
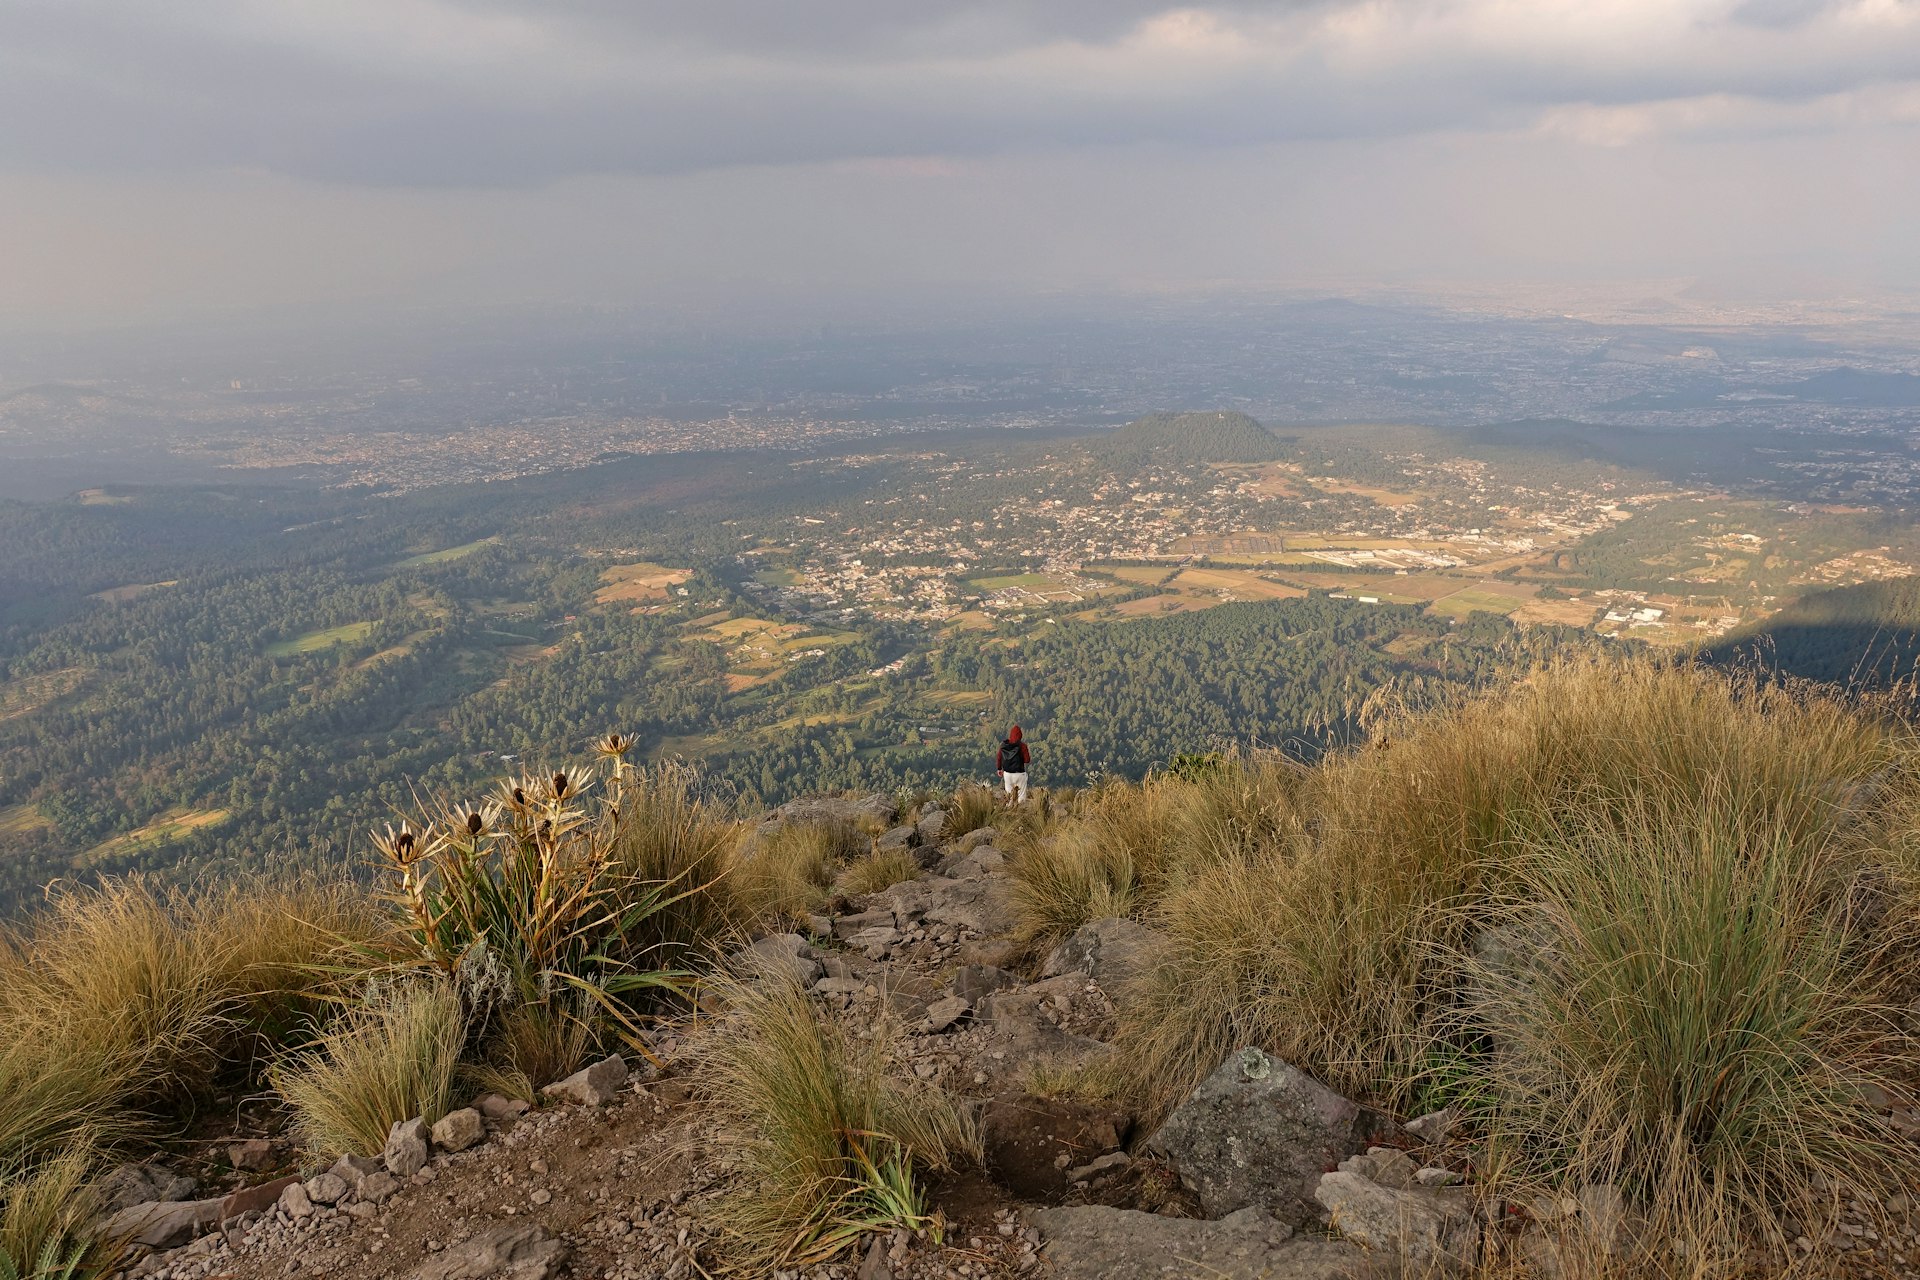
1131,845
45,1222
674,833
790,871
880,869
394,1057
1653,926
830,1138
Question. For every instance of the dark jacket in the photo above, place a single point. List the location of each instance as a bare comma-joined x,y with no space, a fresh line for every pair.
1013,757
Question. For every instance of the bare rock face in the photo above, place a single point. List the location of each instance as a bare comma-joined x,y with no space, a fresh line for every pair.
595,1086
1091,1242
406,1152
1258,1132
131,1184
984,905
786,955
972,982
523,1251
458,1130
877,808
255,1199
250,1156
1435,1231
162,1224
1032,1143
1114,952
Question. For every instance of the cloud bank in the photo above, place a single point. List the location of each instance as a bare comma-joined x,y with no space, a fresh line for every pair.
492,107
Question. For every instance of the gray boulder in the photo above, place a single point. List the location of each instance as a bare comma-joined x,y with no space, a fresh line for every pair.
896,840
1091,1242
984,905
784,955
932,824
874,808
131,1184
523,1251
973,982
595,1086
1114,952
1433,1231
162,1224
327,1188
458,1130
406,1152
1258,1132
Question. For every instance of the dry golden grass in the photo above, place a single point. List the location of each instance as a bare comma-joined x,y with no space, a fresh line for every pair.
788,873
827,1136
391,1059
673,834
876,871
1654,926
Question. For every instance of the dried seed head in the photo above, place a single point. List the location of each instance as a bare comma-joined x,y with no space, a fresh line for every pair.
475,823
560,785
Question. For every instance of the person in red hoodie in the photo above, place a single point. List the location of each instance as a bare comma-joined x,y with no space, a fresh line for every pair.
1011,764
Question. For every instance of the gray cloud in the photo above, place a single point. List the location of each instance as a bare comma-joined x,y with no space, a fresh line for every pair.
492,93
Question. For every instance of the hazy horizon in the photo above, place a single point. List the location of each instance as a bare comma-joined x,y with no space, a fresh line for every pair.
210,156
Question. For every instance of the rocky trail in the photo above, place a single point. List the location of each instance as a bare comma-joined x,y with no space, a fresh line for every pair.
1262,1174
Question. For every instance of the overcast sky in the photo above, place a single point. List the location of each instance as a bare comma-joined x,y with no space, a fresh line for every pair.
160,156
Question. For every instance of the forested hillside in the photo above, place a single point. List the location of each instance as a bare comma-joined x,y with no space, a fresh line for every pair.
1863,636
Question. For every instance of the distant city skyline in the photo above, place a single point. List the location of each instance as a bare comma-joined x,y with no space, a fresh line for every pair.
168,160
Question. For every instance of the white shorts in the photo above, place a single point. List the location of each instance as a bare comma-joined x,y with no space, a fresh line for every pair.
1013,782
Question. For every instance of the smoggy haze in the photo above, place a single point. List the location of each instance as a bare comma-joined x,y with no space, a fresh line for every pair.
209,153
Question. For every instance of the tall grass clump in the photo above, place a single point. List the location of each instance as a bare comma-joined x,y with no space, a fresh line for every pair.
878,870
1692,1005
1112,862
789,872
672,832
1347,941
45,1219
123,1000
1132,845
831,1142
390,1059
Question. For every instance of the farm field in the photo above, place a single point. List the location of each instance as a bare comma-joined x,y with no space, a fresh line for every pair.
1483,597
314,641
444,555
19,819
640,582
170,825
131,591
1235,584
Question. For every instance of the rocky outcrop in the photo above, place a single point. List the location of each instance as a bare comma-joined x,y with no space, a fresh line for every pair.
785,955
1259,1133
1433,1230
408,1145
522,1251
1114,952
1089,1242
162,1224
131,1184
593,1086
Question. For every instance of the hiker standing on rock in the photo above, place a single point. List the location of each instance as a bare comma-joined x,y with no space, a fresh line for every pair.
1011,764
